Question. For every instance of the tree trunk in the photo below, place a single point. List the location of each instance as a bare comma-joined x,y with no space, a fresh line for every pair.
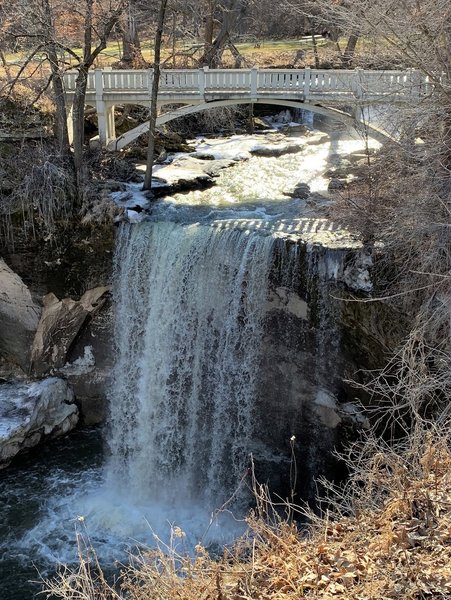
5,65
131,53
61,131
154,98
174,38
315,51
209,28
348,54
236,55
78,120
212,57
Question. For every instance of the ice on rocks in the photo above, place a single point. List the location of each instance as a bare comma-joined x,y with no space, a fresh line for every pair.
30,412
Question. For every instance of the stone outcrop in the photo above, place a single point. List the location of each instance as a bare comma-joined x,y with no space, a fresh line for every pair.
90,362
19,316
58,327
31,412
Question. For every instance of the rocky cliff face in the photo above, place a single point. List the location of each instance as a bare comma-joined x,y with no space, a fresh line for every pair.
38,343
19,316
317,339
60,323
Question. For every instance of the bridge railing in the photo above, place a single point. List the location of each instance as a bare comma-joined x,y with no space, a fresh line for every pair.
178,79
227,79
307,82
126,80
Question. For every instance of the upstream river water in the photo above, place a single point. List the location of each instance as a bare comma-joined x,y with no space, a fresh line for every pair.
177,340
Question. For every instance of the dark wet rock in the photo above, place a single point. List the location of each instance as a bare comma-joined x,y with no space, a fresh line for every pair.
337,184
89,365
302,191
58,327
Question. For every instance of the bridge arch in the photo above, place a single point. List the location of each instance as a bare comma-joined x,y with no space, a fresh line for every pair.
190,109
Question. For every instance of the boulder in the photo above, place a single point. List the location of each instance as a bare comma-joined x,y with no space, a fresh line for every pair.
277,150
357,275
260,124
317,138
19,316
31,412
186,173
302,191
337,184
59,325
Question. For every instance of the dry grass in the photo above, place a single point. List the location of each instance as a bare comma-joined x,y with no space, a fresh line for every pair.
395,543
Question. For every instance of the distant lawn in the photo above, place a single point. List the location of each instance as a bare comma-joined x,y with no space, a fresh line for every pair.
112,52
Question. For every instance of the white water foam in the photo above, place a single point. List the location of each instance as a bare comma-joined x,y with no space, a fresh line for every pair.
190,308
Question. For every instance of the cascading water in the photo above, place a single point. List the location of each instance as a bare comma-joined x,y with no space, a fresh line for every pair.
190,303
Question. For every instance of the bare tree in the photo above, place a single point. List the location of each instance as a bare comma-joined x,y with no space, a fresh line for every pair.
43,24
154,96
230,11
96,28
131,51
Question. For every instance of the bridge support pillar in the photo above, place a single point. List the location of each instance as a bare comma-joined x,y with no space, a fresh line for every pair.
100,108
105,113
105,122
70,123
110,124
102,123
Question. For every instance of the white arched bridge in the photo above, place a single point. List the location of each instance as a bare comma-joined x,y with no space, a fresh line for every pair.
319,91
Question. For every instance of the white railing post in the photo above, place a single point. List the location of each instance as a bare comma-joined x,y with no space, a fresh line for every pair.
101,108
202,82
307,77
98,78
357,88
415,82
206,70
254,82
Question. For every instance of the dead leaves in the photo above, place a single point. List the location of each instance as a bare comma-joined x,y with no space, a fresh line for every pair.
401,551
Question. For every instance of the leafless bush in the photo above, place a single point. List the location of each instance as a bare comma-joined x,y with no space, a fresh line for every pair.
42,193
214,121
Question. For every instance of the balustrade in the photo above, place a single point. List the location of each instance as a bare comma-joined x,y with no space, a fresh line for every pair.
303,82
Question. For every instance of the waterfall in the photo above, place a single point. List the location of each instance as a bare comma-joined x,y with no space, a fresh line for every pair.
190,304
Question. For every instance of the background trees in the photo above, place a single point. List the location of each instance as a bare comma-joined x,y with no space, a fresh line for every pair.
45,29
